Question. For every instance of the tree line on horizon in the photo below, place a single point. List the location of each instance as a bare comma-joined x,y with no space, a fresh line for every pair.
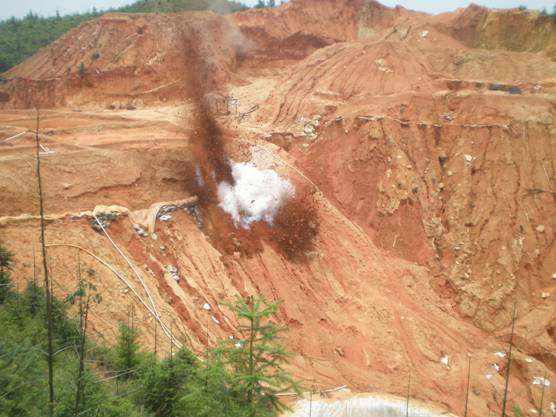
22,37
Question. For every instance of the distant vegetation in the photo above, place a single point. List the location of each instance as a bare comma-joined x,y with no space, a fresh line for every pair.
21,38
168,6
240,378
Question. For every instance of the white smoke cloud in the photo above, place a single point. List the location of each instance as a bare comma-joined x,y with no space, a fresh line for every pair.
256,195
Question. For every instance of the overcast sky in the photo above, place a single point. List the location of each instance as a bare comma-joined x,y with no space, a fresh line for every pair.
19,8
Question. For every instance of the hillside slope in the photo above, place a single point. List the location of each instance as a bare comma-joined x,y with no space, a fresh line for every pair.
21,38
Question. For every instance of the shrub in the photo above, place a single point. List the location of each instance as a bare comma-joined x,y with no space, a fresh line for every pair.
81,69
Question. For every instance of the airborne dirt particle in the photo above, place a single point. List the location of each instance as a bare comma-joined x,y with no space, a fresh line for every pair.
261,200
296,226
256,196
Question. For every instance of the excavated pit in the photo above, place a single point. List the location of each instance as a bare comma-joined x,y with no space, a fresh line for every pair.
421,149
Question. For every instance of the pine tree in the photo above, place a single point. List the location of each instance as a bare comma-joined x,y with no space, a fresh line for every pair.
34,297
81,69
162,384
85,295
5,281
18,366
6,258
127,349
211,393
257,359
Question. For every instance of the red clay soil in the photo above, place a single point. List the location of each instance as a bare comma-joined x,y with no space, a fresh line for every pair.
425,145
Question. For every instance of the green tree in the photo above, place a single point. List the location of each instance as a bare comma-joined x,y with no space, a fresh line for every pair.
85,296
34,297
18,370
24,375
127,358
6,258
212,393
5,282
81,69
162,383
257,360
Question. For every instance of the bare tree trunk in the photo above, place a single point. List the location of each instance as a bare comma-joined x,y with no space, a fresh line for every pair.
467,391
154,338
504,400
47,285
171,341
33,294
34,266
408,394
83,315
17,308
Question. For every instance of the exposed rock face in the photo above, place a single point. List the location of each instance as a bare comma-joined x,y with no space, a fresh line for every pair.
514,30
128,60
466,200
425,144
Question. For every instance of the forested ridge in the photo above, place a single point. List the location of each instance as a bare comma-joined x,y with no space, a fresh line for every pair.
21,38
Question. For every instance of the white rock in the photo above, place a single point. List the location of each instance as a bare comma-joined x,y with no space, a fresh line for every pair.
206,306
488,376
501,354
214,319
540,228
468,158
444,360
539,380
